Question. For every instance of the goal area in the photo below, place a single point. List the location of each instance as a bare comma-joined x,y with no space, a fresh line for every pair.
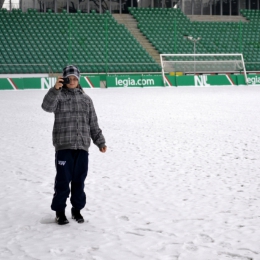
202,64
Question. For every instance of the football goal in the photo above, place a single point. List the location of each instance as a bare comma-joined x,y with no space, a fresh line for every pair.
202,64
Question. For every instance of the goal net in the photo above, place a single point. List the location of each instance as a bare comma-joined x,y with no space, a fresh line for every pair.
202,64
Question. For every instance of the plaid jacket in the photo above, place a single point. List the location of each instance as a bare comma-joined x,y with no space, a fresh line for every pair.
75,119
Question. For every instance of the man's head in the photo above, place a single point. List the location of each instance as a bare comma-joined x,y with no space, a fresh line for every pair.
71,72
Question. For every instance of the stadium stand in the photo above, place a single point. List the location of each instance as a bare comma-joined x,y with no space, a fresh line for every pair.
251,39
165,28
34,42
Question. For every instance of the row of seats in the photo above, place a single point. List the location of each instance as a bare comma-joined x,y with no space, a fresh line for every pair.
44,68
56,39
167,30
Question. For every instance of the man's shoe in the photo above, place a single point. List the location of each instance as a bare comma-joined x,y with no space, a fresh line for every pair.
76,215
61,218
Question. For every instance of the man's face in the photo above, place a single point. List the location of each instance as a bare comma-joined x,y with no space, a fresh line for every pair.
73,82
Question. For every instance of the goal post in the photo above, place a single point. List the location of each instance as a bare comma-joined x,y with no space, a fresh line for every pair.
202,64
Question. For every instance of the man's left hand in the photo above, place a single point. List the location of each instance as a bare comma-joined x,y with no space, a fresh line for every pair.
103,149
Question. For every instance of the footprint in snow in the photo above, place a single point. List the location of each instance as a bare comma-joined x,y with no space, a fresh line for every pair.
205,238
124,218
190,246
48,219
235,256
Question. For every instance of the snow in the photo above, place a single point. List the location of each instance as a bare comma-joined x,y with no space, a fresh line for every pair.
180,179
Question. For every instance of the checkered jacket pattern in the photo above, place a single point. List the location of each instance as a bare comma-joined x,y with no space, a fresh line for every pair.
75,122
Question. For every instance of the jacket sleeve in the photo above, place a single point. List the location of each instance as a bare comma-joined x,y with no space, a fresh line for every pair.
50,100
95,132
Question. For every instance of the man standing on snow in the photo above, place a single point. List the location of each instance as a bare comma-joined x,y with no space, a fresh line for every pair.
74,126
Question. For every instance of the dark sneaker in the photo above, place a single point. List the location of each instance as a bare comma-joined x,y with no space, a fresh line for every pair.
76,215
61,218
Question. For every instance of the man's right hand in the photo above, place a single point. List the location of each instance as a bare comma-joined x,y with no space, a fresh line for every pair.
59,83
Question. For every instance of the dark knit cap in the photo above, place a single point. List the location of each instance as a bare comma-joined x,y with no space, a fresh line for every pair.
71,71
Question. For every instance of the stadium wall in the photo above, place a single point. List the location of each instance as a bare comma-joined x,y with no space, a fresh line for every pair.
112,81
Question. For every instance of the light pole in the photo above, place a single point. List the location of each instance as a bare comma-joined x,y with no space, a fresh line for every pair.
175,28
194,40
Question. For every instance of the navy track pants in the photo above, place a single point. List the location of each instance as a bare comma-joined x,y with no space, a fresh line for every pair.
71,168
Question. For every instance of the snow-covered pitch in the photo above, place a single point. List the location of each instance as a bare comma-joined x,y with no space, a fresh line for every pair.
180,179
